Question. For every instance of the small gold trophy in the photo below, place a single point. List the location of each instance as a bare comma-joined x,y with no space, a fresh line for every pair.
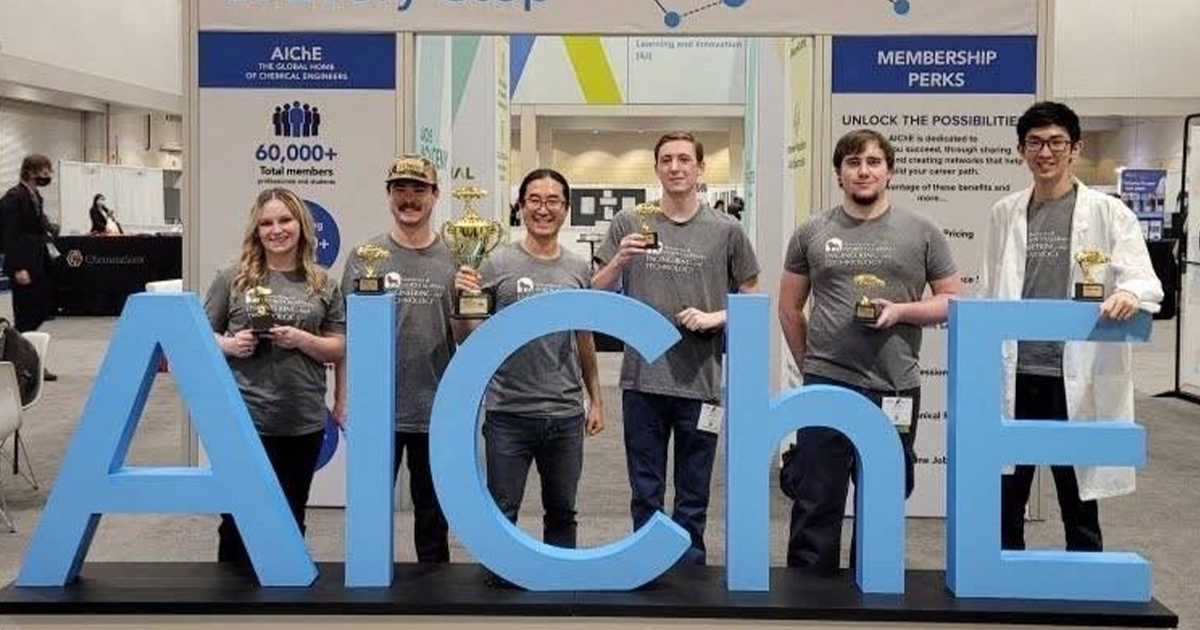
262,318
370,283
865,311
471,238
646,213
1089,290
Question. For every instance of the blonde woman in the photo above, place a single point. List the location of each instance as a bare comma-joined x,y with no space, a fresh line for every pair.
279,319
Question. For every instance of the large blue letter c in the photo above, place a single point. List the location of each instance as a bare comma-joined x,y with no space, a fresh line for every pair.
478,522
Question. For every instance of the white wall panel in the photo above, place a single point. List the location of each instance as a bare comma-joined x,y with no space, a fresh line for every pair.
27,128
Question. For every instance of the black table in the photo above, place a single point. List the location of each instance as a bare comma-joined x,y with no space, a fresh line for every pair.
97,273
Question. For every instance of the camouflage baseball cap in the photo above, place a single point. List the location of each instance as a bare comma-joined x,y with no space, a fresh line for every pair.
413,168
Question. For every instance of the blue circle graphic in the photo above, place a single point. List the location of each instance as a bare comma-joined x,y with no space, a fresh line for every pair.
329,238
329,444
672,19
901,6
734,3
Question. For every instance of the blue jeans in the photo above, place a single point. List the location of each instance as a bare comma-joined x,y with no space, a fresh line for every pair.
650,421
512,442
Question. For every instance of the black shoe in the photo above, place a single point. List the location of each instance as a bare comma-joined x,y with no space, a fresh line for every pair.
49,376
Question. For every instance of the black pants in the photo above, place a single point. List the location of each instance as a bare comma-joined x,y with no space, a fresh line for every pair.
430,531
32,303
294,460
1044,398
816,476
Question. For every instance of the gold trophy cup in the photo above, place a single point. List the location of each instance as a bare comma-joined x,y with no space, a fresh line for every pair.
470,239
865,311
262,318
1089,290
646,213
370,283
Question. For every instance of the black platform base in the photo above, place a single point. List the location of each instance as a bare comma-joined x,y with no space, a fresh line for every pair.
462,590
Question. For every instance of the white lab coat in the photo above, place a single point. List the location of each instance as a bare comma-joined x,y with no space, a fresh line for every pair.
1097,376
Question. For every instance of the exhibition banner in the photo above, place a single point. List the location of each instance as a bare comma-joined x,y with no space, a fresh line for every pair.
312,112
481,134
691,17
950,106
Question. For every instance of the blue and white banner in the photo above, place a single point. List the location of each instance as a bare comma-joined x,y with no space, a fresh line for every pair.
298,61
311,112
629,17
950,106
934,65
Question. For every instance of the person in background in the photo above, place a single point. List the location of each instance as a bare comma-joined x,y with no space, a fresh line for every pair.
29,251
104,221
281,371
719,206
736,205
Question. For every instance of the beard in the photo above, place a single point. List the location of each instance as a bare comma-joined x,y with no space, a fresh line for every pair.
865,199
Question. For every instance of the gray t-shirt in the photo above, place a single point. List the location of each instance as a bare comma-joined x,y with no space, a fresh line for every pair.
284,389
904,249
422,281
1047,275
542,379
700,261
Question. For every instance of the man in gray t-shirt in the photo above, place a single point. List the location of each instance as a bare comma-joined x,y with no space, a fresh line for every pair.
535,406
700,257
864,265
419,272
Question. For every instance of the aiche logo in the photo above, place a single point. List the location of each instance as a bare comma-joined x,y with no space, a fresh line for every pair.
74,258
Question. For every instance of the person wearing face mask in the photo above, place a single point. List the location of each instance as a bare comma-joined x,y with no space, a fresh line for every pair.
280,371
864,266
29,251
419,274
103,219
535,409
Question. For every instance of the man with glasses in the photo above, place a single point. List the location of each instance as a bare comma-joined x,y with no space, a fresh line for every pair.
1042,243
419,271
684,273
535,409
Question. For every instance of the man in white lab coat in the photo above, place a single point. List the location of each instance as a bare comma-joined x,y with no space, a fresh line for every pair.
1036,239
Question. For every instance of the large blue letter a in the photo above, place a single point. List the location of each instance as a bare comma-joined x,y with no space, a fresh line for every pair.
94,480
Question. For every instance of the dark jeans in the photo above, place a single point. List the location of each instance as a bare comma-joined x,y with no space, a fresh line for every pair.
430,531
32,303
294,460
512,443
650,421
816,476
1044,398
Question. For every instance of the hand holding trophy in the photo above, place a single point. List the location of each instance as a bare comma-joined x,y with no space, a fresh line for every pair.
865,310
470,239
371,255
1090,290
647,213
262,318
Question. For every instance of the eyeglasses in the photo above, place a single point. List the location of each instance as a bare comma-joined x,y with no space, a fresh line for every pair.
550,203
1057,145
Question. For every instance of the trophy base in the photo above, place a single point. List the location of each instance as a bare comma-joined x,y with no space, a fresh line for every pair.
261,326
475,305
1089,292
368,286
866,314
651,240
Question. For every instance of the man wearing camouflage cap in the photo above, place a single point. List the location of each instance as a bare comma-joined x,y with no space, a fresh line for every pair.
419,272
